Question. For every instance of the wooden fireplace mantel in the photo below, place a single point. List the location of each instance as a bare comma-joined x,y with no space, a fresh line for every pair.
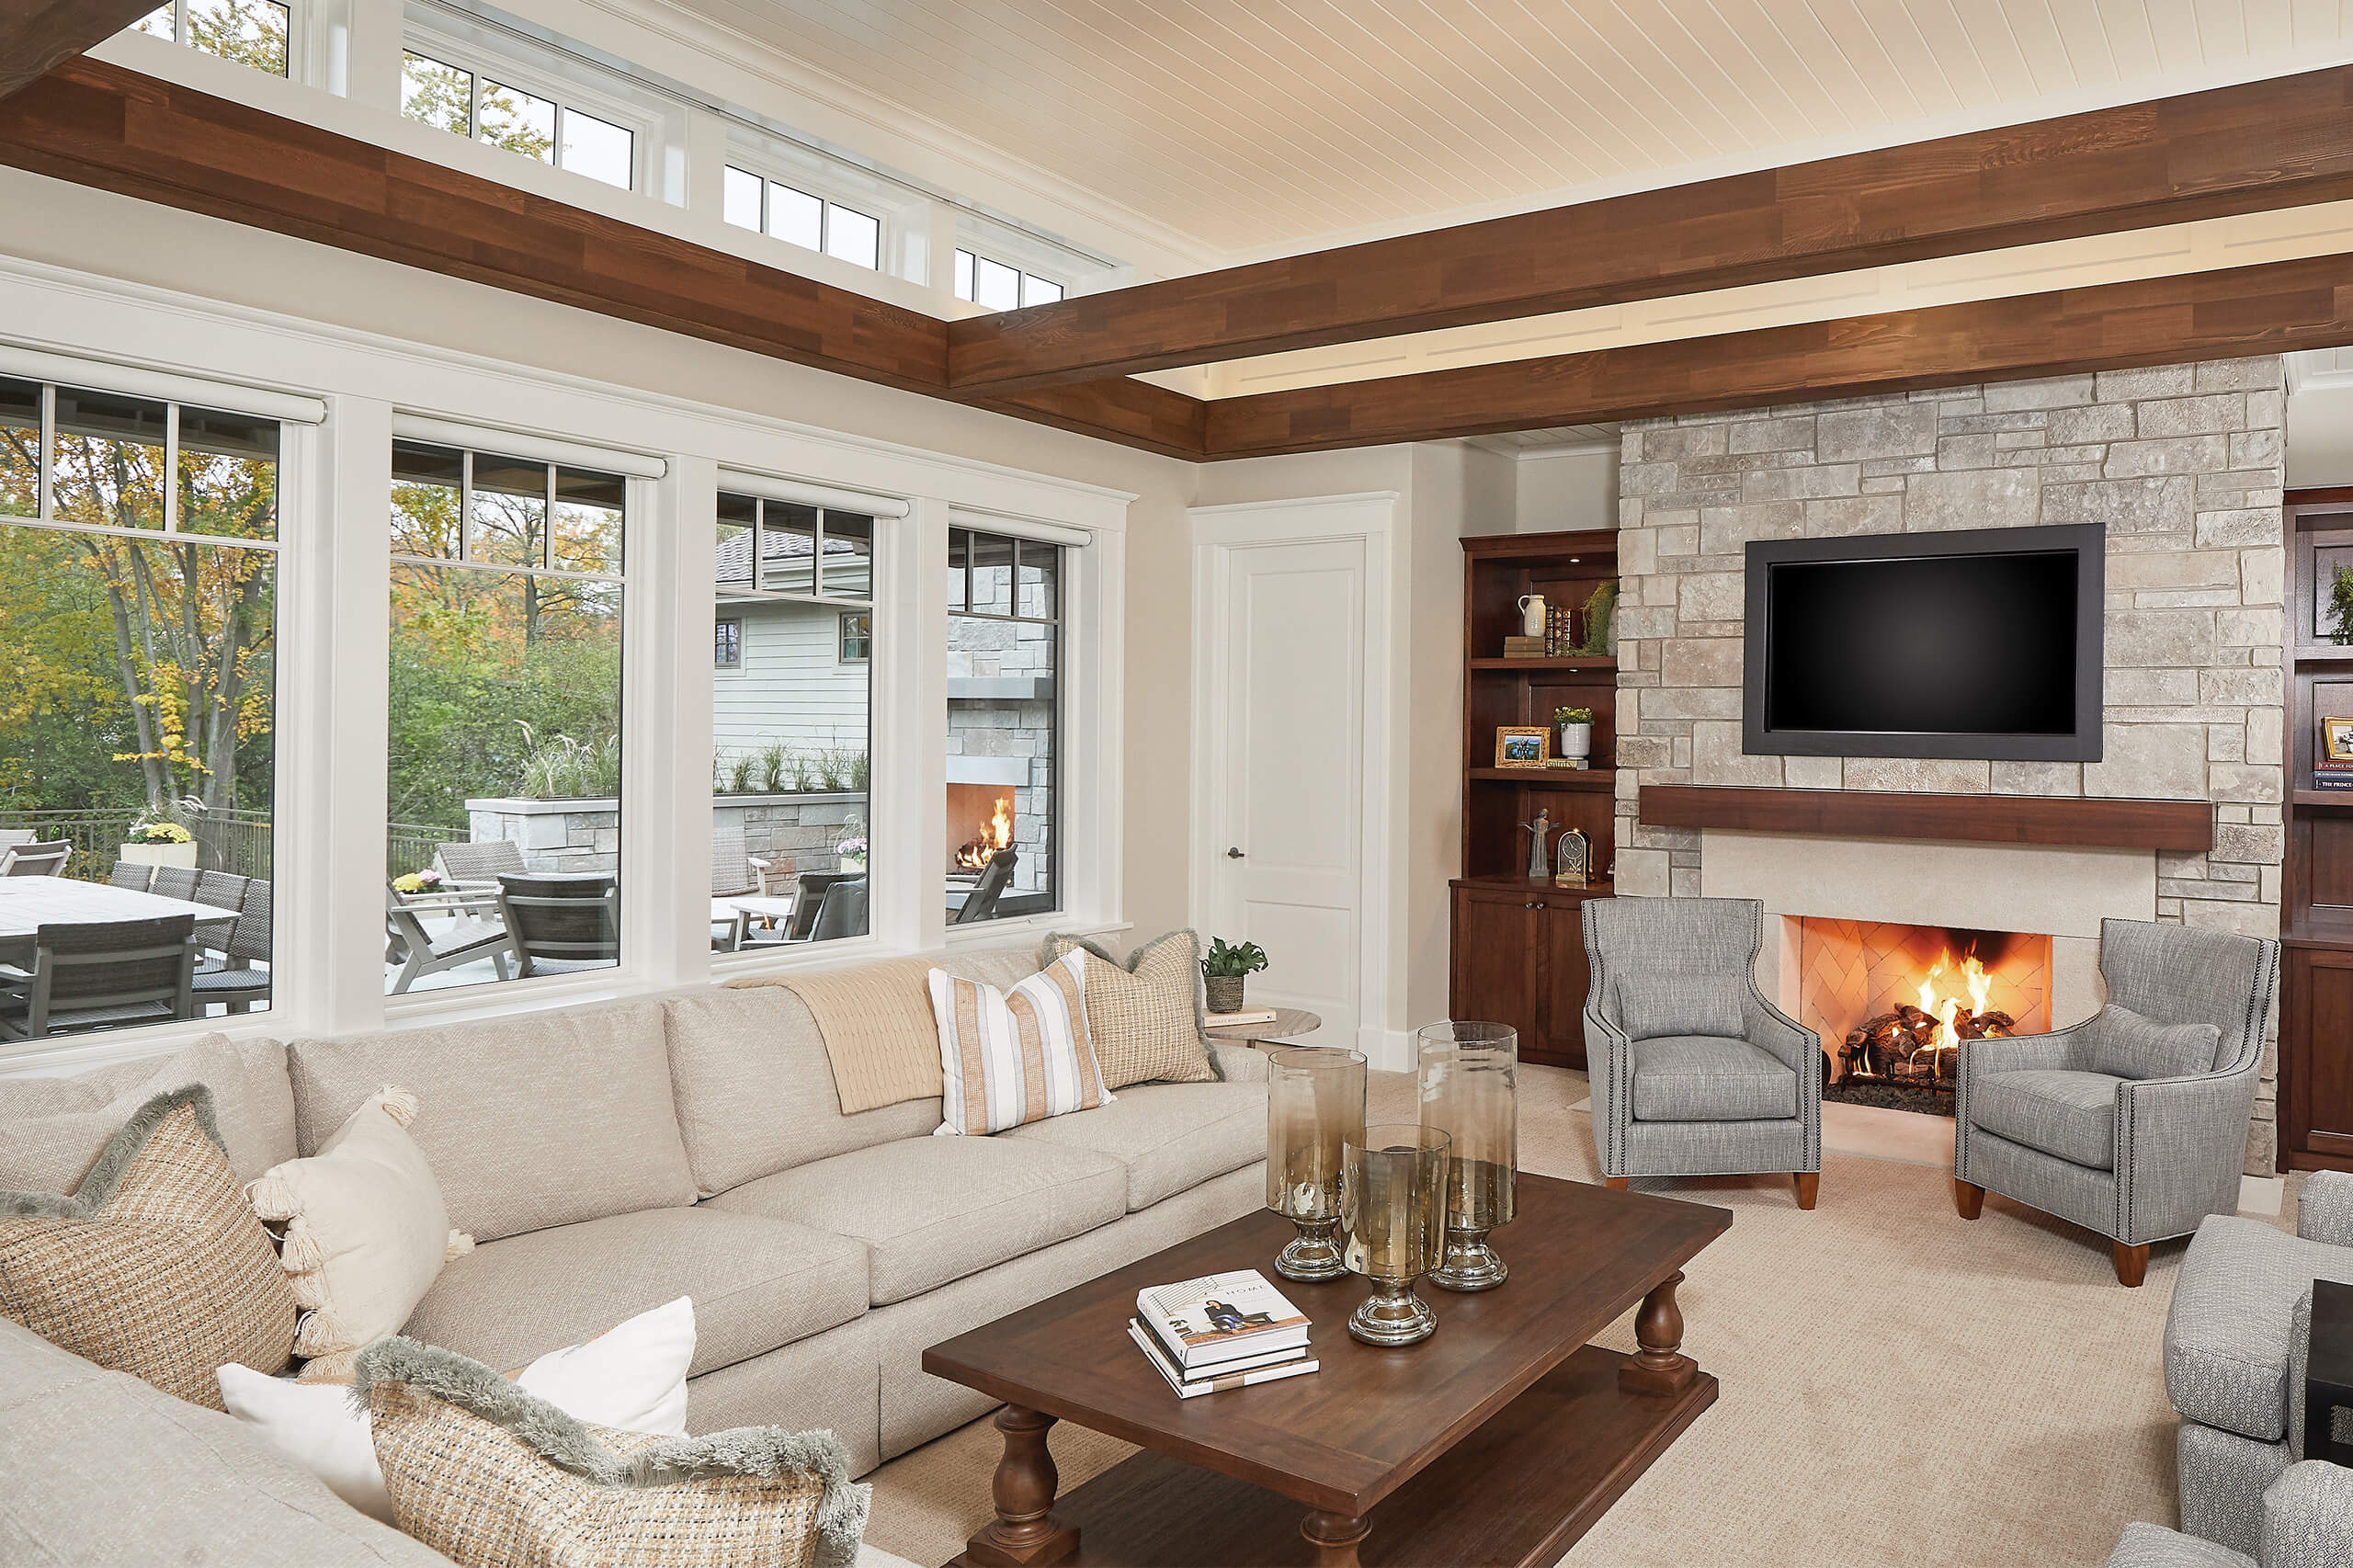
2177,825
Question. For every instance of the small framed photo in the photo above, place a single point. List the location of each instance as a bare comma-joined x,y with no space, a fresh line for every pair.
2336,737
1522,746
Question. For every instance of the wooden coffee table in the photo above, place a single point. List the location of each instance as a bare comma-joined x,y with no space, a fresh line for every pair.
1499,1441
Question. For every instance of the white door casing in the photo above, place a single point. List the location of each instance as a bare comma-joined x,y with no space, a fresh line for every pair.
1291,739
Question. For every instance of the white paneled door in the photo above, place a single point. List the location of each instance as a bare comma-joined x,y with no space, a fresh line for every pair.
1283,864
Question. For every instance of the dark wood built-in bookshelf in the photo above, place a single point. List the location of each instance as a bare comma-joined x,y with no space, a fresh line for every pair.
1518,942
2317,889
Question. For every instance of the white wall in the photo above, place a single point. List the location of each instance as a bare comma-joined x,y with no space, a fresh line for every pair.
1570,487
2320,437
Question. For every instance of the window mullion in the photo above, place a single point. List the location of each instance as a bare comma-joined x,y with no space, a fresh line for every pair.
45,497
171,468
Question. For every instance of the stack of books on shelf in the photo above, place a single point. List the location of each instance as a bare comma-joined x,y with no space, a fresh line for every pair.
2332,775
1560,630
1518,647
1224,1331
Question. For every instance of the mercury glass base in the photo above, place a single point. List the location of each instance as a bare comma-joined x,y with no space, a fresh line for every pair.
1312,1255
1392,1315
1470,1263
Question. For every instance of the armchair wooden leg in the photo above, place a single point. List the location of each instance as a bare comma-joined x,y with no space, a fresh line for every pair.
1968,1197
2131,1263
1808,1183
1615,1184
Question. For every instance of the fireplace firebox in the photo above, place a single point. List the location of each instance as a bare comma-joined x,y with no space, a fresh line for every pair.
1894,1002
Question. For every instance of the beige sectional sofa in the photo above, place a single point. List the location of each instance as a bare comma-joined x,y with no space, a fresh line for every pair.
609,1158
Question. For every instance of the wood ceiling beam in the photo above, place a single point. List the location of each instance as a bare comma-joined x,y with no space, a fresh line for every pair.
38,34
2287,141
100,125
2275,308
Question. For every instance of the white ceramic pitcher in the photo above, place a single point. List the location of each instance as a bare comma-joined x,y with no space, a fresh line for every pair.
1531,615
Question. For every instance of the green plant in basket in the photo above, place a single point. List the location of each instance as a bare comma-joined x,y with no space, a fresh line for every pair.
1225,968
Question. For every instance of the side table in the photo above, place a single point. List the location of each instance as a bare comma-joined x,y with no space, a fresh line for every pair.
1289,1024
2328,1375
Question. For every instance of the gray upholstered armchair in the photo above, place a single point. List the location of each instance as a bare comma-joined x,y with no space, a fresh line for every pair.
2133,1123
2307,1522
1694,1072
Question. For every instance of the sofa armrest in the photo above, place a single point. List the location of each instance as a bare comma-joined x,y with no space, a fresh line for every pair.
2324,1212
1236,1062
2180,1144
1610,1059
2308,1516
1769,1028
2019,1052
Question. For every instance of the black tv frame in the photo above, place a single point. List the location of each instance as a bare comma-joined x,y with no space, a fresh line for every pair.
2089,543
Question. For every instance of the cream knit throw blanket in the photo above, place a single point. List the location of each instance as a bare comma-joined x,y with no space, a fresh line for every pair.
876,1022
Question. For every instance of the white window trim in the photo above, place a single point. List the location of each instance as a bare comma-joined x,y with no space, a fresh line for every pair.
335,617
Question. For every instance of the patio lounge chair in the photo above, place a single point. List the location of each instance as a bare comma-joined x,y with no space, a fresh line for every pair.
85,975
479,863
843,912
744,880
233,981
810,895
563,923
40,858
468,937
995,877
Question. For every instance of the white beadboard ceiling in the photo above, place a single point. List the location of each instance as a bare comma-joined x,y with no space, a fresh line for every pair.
1259,127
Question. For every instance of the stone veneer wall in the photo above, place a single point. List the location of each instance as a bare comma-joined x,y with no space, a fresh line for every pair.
2181,463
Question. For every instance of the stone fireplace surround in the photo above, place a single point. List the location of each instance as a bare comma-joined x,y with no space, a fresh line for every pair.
2182,466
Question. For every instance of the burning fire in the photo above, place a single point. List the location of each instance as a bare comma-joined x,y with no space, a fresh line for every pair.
1974,979
994,834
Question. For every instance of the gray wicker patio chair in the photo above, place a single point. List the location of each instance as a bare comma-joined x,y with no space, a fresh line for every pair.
2133,1123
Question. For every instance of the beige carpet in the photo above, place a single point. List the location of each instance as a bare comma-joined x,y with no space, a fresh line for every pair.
1898,1386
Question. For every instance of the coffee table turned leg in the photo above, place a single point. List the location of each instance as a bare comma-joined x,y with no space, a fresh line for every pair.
1025,1533
1335,1538
1660,1367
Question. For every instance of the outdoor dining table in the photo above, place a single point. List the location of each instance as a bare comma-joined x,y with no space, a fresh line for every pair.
26,903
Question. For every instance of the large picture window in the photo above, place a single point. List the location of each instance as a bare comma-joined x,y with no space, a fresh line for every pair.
504,857
790,725
1003,725
138,730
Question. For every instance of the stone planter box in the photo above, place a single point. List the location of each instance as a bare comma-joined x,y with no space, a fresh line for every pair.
158,854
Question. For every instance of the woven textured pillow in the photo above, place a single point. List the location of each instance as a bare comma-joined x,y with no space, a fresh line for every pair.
1146,1013
1010,1057
366,1232
492,1477
157,1266
1669,1003
2126,1044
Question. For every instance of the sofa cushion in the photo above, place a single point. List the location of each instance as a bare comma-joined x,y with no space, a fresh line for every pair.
52,1129
543,1119
756,1283
932,1209
179,1485
1709,1078
2228,1331
1170,1136
2072,1115
1145,1011
756,1088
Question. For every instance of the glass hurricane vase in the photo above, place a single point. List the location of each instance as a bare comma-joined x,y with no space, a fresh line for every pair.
1392,1203
1314,1105
1470,1091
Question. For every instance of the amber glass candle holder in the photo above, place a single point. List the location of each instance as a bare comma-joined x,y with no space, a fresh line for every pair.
1469,1082
1392,1203
1314,1105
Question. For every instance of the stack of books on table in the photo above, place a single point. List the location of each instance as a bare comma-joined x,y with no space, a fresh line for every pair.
1225,1331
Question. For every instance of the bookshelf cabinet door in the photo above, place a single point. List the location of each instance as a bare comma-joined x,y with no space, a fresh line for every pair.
1494,975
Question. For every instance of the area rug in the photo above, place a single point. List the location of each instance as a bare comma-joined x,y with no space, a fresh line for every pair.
1899,1385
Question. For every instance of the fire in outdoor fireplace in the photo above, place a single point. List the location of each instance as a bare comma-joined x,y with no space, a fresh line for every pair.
994,834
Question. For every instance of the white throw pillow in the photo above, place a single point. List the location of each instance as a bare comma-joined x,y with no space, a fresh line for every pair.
366,1232
632,1377
1017,1056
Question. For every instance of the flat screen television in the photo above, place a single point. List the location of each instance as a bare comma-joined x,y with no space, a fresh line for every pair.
1982,642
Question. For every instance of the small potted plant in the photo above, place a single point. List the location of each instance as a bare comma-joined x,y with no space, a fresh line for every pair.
851,852
418,882
1577,734
1225,970
158,841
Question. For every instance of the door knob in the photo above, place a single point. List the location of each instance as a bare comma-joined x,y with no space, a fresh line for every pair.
1234,854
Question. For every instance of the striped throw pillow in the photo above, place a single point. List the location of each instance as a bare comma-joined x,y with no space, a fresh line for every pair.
1010,1057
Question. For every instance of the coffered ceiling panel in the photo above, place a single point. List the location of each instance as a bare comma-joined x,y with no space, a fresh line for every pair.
1258,126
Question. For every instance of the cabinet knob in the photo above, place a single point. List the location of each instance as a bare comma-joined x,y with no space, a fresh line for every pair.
1535,903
